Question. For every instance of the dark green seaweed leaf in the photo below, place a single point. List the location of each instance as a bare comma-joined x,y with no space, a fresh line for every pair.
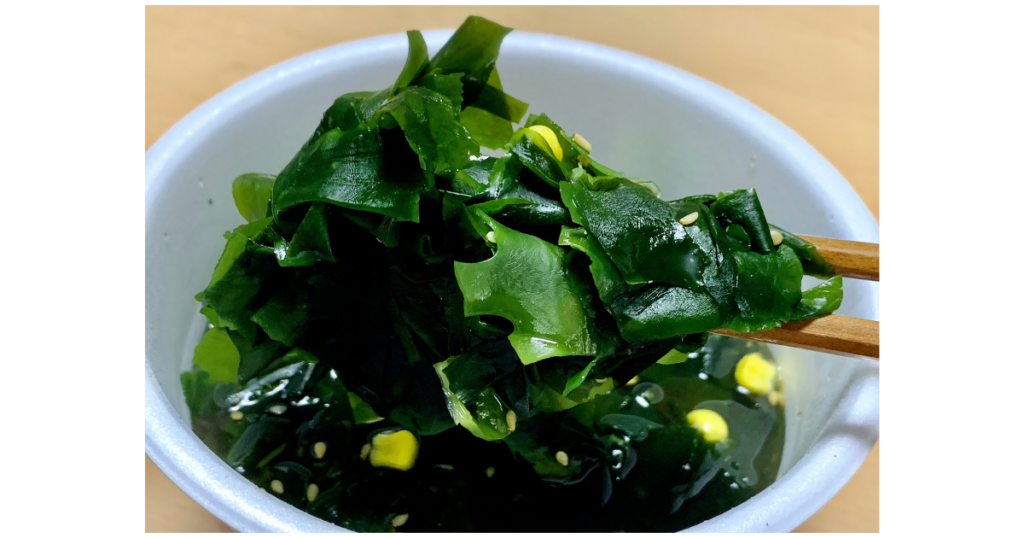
252,195
493,129
483,413
311,242
417,400
449,86
606,277
820,300
535,153
255,356
237,283
494,101
513,197
639,233
285,314
742,207
431,305
527,283
217,355
358,169
661,312
415,63
767,290
431,125
344,114
473,51
811,260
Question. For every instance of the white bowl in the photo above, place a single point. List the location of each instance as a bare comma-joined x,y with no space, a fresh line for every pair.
649,119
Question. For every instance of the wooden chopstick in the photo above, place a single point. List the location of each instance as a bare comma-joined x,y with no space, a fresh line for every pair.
850,258
840,335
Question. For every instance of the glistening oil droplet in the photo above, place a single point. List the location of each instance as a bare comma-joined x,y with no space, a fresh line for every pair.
649,392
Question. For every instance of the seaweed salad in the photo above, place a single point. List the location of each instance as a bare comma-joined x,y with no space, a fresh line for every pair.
409,334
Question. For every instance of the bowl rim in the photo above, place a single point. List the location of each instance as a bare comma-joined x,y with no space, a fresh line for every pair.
806,487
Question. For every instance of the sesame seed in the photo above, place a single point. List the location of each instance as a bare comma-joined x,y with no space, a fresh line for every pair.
399,520
562,457
775,397
319,450
365,451
276,486
689,219
633,381
582,142
312,491
489,472
263,489
510,419
277,409
776,238
236,415
601,380
490,237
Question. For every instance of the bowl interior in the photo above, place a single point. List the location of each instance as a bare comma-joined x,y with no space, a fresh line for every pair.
642,117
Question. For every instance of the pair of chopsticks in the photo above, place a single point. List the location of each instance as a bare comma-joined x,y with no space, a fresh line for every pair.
841,335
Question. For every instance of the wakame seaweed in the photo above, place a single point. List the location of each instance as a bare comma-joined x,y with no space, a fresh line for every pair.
537,321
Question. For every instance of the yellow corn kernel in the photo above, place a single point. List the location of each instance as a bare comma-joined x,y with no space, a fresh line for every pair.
710,423
394,449
755,374
550,138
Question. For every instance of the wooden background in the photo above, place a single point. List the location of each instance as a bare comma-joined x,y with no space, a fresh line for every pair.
813,68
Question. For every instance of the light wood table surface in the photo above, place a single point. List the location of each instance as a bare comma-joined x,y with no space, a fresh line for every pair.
813,68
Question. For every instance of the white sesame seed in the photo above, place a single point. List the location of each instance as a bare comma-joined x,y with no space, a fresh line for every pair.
276,486
236,415
510,419
689,219
365,451
775,397
319,450
562,458
633,381
399,520
489,472
601,380
312,491
582,142
490,237
776,238
277,409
